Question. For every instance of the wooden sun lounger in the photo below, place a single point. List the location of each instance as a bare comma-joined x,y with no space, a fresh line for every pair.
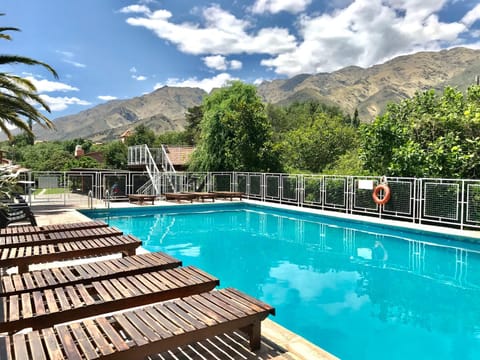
22,256
202,196
28,229
140,198
85,273
229,194
135,334
40,309
179,196
57,236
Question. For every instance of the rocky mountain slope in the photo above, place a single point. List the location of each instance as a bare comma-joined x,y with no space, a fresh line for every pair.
162,110
368,90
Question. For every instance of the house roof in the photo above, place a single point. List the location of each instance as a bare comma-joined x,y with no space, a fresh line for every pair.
179,155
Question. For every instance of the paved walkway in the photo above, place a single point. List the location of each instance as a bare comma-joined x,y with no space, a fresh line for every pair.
278,343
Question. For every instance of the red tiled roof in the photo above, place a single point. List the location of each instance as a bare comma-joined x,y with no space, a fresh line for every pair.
179,155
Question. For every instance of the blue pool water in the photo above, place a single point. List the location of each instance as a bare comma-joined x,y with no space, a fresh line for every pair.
417,296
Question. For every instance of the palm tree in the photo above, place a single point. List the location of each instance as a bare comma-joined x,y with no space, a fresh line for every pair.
19,99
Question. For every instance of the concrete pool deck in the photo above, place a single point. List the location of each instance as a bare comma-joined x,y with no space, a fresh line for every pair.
278,343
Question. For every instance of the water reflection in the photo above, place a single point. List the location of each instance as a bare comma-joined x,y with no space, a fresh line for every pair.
338,286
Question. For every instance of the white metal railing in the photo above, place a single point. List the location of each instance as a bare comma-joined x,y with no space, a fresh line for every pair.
448,202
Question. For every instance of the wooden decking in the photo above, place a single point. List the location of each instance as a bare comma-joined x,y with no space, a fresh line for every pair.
29,229
40,309
186,310
23,256
85,273
15,240
135,334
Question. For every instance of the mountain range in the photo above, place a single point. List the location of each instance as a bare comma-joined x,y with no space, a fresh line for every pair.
350,88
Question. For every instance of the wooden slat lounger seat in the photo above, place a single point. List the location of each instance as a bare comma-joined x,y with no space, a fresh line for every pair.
229,194
179,196
135,334
22,256
28,229
202,196
40,309
57,236
85,273
140,198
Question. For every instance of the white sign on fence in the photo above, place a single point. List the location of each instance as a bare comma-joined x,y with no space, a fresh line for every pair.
48,182
365,184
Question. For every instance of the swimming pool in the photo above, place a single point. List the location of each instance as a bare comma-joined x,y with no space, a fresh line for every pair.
358,290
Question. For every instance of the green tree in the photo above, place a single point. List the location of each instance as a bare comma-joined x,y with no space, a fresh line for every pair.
173,138
45,156
427,135
194,117
141,135
312,148
235,133
70,145
116,155
19,99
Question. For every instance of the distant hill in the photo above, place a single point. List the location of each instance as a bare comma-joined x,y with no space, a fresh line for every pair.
162,110
368,90
371,89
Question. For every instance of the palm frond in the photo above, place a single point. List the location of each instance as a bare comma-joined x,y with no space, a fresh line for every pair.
17,59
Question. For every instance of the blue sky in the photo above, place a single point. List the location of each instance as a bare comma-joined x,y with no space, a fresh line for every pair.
117,49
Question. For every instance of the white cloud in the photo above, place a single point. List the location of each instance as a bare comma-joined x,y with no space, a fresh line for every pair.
139,77
364,33
472,16
219,62
62,103
107,97
68,57
50,86
258,81
222,33
206,84
135,9
276,6
235,65
133,70
74,63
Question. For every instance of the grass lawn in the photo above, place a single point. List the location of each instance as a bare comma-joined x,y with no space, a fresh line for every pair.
50,191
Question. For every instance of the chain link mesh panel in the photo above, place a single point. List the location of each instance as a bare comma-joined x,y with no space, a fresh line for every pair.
335,190
273,183
221,182
313,190
256,185
242,183
473,203
441,201
401,198
363,197
289,190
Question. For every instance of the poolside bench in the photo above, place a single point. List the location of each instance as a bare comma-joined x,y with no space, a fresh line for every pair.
140,198
202,196
57,236
85,273
179,197
29,229
44,308
23,256
229,194
137,333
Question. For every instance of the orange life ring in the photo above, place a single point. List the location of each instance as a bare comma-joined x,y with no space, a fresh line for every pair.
386,194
